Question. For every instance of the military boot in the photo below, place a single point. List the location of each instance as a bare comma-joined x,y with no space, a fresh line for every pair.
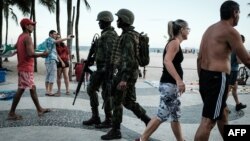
114,133
95,119
145,119
107,123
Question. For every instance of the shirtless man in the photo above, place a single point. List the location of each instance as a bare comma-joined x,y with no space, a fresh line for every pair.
213,66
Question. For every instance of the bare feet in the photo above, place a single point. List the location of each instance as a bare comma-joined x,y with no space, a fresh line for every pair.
14,117
67,93
43,111
57,94
49,94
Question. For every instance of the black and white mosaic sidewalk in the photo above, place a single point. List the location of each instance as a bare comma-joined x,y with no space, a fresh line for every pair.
64,122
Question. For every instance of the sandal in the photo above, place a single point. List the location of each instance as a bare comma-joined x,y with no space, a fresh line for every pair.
14,117
67,93
57,94
43,112
49,94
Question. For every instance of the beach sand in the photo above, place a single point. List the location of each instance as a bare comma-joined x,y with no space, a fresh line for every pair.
153,70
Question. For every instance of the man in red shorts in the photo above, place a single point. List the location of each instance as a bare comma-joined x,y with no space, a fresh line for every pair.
25,67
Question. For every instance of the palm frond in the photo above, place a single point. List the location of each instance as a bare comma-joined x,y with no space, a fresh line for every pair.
87,5
50,4
14,16
9,11
22,5
248,14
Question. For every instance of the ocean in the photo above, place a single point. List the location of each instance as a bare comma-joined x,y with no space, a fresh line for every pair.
86,48
151,50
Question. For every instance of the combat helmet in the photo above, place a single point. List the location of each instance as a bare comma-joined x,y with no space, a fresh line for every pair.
105,16
126,15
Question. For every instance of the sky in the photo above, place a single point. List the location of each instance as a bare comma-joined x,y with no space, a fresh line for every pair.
151,17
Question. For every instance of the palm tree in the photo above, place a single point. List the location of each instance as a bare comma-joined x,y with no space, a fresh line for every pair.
69,31
23,5
50,4
1,29
69,15
70,27
58,16
7,10
249,13
76,25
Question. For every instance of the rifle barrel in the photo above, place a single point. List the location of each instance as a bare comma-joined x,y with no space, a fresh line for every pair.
79,84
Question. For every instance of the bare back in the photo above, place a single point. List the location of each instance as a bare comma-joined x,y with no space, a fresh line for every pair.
215,49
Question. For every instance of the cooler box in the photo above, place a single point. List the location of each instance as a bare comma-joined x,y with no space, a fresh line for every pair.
2,76
78,70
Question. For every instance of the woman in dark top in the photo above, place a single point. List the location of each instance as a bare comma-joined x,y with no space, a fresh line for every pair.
171,83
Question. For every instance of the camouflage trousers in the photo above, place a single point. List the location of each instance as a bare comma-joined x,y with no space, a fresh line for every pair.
97,80
126,98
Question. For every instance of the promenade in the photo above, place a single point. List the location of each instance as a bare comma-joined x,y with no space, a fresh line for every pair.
64,122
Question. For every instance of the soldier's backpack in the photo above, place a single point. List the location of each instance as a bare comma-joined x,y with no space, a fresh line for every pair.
142,50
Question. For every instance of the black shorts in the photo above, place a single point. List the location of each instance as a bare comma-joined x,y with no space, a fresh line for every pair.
233,77
213,90
59,64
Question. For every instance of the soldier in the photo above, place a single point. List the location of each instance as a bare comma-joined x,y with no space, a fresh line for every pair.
124,60
105,44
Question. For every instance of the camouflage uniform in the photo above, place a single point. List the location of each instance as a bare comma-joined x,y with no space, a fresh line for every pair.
125,61
103,50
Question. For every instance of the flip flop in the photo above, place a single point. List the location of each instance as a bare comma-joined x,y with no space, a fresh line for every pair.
43,112
15,117
57,94
47,94
67,93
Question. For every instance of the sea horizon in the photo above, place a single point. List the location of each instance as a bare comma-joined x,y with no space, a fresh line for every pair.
151,49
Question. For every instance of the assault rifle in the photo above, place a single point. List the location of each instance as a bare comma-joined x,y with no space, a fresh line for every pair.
88,63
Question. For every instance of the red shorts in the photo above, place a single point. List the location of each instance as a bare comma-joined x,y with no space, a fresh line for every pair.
25,80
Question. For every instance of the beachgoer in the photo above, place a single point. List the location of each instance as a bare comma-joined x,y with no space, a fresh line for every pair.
124,61
105,43
62,66
144,72
72,56
233,84
213,65
51,60
140,74
171,83
25,68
